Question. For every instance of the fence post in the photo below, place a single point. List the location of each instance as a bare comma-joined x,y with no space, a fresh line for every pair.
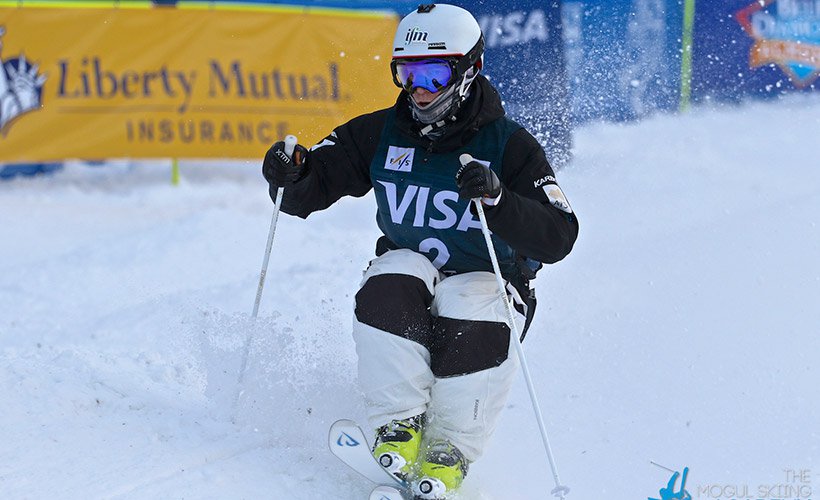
175,172
686,57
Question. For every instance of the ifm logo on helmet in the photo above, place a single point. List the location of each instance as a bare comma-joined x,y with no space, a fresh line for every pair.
415,35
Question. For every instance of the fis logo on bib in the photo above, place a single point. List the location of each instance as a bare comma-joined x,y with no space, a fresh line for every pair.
21,88
399,159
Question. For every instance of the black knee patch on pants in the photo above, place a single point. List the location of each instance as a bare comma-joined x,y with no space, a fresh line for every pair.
397,304
461,347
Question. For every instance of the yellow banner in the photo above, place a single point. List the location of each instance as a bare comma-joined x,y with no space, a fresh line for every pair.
95,83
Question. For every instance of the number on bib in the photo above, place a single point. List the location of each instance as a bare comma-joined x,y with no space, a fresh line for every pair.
442,254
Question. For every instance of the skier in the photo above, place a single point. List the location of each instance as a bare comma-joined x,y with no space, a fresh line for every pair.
435,358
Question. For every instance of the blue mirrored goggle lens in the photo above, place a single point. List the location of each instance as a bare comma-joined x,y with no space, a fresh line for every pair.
432,75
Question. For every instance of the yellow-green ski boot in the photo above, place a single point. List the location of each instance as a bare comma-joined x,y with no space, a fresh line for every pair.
441,471
397,445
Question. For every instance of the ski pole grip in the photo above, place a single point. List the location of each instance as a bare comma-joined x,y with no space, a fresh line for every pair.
466,158
290,145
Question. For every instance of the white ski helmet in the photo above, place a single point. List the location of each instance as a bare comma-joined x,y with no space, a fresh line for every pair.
438,30
450,39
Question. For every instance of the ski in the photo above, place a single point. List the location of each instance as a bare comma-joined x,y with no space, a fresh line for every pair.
347,441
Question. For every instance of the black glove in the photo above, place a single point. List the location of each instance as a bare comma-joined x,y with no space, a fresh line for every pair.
281,170
474,180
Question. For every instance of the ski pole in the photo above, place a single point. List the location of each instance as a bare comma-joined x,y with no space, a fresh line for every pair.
560,490
290,145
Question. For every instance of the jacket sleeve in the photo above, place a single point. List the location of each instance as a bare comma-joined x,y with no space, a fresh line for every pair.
533,215
337,166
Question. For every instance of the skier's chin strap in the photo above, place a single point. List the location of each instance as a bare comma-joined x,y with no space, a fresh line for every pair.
434,130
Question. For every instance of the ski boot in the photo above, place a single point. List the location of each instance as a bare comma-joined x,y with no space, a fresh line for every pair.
441,471
397,445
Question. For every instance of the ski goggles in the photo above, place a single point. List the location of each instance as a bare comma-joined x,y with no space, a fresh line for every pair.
429,74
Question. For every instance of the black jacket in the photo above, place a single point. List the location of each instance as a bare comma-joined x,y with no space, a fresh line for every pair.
525,218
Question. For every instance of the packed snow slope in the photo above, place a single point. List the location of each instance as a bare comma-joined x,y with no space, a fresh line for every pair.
682,330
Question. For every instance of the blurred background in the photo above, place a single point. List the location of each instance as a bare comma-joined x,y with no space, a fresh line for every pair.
192,79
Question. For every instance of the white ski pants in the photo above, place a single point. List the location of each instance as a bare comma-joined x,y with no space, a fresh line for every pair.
434,344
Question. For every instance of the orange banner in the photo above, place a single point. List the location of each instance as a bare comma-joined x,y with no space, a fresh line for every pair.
95,83
775,51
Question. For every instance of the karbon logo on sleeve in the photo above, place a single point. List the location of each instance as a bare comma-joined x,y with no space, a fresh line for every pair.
21,88
399,159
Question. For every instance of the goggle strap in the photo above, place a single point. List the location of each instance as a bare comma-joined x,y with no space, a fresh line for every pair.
466,62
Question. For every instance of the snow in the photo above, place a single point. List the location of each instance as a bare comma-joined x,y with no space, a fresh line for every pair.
681,330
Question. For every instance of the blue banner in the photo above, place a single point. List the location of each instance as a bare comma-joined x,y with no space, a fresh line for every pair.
759,48
524,59
623,57
9,171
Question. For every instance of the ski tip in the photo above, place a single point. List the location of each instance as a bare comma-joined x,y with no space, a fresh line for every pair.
345,433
